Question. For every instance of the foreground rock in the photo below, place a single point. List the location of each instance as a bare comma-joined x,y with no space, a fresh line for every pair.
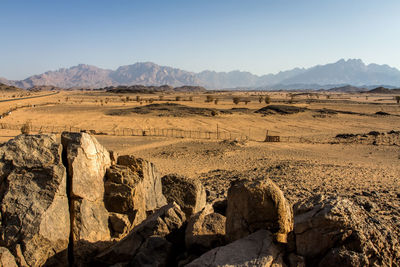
6,258
332,231
150,179
160,232
35,221
86,162
205,230
255,205
256,249
188,193
132,190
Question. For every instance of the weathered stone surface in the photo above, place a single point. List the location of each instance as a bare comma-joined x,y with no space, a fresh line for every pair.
119,224
124,194
205,230
6,258
254,205
188,193
332,231
150,178
86,162
34,206
256,249
164,223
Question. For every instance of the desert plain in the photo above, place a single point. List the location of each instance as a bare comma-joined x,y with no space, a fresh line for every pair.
345,144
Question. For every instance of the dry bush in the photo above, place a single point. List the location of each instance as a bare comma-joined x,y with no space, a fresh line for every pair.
267,99
178,98
236,100
26,128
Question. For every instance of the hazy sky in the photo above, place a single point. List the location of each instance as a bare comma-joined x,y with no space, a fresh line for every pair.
256,36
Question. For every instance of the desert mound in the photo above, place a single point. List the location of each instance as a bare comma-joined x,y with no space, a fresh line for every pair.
280,109
168,109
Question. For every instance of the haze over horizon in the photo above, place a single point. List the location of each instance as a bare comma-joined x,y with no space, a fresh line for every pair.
257,36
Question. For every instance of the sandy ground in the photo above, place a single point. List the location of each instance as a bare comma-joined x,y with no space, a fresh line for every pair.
312,162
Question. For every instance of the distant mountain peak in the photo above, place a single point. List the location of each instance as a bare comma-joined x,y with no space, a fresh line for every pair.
344,71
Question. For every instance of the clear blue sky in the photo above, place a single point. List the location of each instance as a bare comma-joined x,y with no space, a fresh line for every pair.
256,36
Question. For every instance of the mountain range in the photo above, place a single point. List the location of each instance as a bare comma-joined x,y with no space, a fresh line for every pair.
343,72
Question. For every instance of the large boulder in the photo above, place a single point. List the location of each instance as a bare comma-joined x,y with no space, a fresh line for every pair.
124,199
255,205
256,249
35,224
6,258
159,232
86,162
333,231
132,190
149,178
188,193
205,230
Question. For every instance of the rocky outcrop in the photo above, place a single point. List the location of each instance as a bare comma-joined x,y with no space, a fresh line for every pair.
188,193
157,232
34,206
332,231
255,205
205,230
149,178
6,258
257,249
86,162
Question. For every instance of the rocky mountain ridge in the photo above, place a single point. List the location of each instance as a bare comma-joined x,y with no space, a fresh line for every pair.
342,72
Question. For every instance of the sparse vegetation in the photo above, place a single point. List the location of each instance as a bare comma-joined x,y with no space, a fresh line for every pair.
397,99
209,99
216,101
236,100
267,99
178,98
26,128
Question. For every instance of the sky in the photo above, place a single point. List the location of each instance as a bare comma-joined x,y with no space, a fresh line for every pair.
257,36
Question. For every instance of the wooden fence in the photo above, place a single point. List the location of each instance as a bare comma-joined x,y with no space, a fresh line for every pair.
168,132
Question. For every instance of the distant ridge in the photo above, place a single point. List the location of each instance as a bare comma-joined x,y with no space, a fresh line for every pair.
341,73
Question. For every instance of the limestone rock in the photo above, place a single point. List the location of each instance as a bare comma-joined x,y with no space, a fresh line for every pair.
188,193
256,249
205,230
164,223
151,183
35,221
255,205
6,258
87,162
334,231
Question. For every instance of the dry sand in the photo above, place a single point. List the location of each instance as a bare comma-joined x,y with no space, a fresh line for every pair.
312,161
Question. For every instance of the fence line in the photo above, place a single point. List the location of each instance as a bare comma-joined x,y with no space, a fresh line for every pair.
163,132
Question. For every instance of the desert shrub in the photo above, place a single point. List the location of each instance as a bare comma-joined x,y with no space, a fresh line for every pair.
260,99
178,98
398,99
216,101
209,98
190,98
267,99
247,101
213,113
236,100
26,128
138,98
